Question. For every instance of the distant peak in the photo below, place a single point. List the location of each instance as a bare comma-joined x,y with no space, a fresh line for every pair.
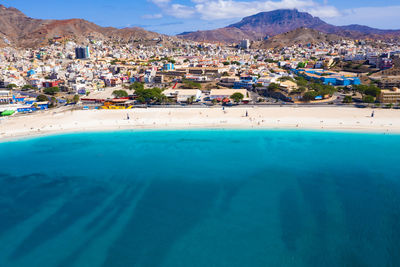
11,10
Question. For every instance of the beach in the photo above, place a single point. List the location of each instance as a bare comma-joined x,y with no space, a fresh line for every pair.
312,118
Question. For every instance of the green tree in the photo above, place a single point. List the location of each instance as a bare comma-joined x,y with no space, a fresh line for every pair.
301,65
120,93
368,99
53,102
373,90
273,87
75,99
51,90
347,99
153,95
237,97
27,87
310,95
301,81
42,98
11,86
136,85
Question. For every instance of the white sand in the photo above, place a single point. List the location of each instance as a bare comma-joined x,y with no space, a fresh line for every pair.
321,118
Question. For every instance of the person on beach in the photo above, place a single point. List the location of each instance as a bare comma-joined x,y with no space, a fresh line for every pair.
247,113
127,116
373,114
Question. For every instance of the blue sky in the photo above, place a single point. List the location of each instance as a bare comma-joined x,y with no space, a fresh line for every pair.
176,16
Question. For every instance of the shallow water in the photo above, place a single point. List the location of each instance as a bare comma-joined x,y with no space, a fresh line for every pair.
201,198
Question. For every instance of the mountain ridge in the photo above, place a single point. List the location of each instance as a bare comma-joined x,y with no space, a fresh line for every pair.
275,22
24,31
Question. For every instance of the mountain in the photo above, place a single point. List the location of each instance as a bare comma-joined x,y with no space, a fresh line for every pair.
300,36
224,35
275,22
278,21
24,31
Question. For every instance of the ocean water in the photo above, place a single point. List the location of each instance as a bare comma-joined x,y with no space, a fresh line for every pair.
201,198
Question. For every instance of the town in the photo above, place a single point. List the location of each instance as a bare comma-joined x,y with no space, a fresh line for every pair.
106,75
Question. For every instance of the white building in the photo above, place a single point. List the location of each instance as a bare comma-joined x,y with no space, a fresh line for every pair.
244,44
182,95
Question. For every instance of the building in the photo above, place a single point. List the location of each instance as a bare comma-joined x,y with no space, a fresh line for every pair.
288,86
244,44
159,79
82,52
48,84
390,96
385,63
5,97
329,77
168,66
207,70
228,81
246,82
389,83
183,95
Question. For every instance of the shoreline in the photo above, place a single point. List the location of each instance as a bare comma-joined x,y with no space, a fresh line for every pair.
331,119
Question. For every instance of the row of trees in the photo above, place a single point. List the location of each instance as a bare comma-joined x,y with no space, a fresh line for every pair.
369,93
311,89
155,96
53,100
150,96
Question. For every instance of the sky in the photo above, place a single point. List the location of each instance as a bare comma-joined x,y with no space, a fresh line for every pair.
176,16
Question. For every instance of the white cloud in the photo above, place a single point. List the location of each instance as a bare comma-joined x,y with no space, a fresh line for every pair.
219,10
152,16
160,2
180,11
379,17
228,9
225,9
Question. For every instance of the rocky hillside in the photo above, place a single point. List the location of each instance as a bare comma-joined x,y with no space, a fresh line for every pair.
300,36
23,31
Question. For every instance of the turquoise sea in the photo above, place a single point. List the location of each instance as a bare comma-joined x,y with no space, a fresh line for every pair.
201,198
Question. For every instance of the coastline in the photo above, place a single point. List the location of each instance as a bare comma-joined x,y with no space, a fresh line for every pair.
337,119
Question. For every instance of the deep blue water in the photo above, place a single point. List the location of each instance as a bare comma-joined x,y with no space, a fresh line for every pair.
201,198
